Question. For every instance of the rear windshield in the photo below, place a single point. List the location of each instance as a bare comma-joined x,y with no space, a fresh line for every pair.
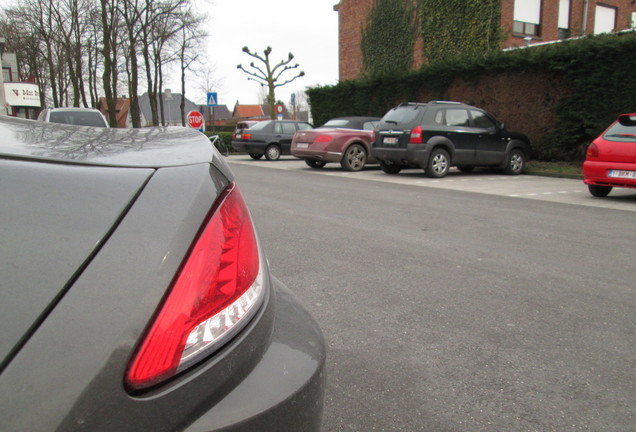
336,123
621,133
83,118
405,114
260,125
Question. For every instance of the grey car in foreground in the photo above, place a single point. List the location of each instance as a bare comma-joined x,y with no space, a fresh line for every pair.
134,294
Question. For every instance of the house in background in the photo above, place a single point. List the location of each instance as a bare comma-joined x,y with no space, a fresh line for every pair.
255,112
215,116
17,98
523,21
122,108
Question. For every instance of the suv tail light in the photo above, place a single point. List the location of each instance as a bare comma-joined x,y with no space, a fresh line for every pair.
592,150
416,135
217,290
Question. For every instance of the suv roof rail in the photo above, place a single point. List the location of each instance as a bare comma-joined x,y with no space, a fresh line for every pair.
413,104
445,102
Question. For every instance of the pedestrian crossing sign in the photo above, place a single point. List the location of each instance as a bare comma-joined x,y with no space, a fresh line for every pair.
212,99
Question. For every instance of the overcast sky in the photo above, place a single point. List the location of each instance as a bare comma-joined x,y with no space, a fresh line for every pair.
306,28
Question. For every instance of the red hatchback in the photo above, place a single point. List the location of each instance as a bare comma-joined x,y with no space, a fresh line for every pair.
611,158
346,140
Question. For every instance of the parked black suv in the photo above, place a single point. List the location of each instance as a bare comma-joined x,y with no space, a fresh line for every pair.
437,135
270,138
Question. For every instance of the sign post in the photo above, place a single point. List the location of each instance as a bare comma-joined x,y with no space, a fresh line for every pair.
195,120
279,111
213,98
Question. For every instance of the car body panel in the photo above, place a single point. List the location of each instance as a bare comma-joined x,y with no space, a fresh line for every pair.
67,371
269,132
40,213
615,163
473,138
304,143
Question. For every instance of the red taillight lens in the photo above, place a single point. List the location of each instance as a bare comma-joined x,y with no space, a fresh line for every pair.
219,286
416,135
592,150
323,139
247,136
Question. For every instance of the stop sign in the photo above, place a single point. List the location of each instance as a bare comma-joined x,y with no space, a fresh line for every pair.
195,119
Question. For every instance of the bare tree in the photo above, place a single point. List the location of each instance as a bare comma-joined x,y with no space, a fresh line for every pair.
109,12
191,36
269,76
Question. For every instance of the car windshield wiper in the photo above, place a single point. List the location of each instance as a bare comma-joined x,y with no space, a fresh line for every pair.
390,121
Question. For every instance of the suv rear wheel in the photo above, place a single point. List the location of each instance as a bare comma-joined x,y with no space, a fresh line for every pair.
438,164
272,152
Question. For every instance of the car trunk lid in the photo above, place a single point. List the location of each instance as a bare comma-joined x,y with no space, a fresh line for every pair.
55,217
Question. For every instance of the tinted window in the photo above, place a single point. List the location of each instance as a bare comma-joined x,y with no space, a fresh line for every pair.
304,126
261,125
481,120
83,118
406,114
457,117
336,123
369,125
289,128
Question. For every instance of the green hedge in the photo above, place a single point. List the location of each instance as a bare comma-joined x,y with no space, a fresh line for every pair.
599,73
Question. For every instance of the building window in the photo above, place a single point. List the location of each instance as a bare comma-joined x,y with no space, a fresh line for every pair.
604,19
527,18
6,74
564,19
634,20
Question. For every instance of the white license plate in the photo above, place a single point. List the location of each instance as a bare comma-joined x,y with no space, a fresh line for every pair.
302,145
622,174
390,140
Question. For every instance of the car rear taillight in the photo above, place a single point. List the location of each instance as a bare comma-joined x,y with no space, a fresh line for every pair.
217,290
416,135
323,139
592,150
247,136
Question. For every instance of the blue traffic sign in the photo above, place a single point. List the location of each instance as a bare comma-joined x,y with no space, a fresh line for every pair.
213,99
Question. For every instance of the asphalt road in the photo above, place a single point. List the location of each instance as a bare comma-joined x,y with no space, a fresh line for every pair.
477,302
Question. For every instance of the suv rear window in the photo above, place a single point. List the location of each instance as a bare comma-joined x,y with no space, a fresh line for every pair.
403,114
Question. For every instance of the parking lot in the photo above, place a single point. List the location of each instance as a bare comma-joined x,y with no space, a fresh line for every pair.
492,182
477,302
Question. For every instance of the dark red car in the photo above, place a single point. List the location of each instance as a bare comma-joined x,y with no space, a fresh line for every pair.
346,140
611,158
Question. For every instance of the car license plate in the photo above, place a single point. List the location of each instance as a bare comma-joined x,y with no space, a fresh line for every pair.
622,174
302,145
390,140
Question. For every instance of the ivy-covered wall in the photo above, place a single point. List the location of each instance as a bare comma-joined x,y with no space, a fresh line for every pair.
388,39
452,28
562,95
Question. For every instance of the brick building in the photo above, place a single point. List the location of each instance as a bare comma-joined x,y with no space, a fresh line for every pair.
524,21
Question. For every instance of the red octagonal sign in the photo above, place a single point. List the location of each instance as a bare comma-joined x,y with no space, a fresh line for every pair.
195,119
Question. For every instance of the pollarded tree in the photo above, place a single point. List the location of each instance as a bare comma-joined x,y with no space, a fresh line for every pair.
270,76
